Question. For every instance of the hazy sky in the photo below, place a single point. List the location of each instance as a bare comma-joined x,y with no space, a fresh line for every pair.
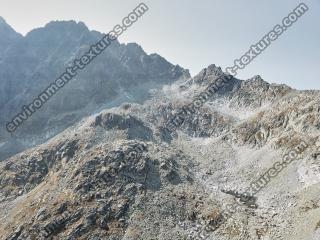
195,34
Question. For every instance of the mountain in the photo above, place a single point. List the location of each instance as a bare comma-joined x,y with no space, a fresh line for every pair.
118,175
8,36
122,73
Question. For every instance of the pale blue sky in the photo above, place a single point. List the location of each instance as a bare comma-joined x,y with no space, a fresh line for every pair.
195,34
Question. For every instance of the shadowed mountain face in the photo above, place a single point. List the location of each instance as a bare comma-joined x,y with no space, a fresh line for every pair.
28,65
8,38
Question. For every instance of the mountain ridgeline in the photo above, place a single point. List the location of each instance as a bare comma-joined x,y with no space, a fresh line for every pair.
29,64
97,163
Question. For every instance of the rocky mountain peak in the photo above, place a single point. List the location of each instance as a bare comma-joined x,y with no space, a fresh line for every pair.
66,26
8,35
208,74
2,21
6,30
61,30
136,49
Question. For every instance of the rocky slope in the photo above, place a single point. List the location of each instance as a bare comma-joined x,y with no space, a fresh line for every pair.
117,175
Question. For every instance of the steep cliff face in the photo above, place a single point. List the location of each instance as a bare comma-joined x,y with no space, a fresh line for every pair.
8,38
122,73
116,175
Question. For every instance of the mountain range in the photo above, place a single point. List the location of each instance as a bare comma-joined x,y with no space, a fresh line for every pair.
96,162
